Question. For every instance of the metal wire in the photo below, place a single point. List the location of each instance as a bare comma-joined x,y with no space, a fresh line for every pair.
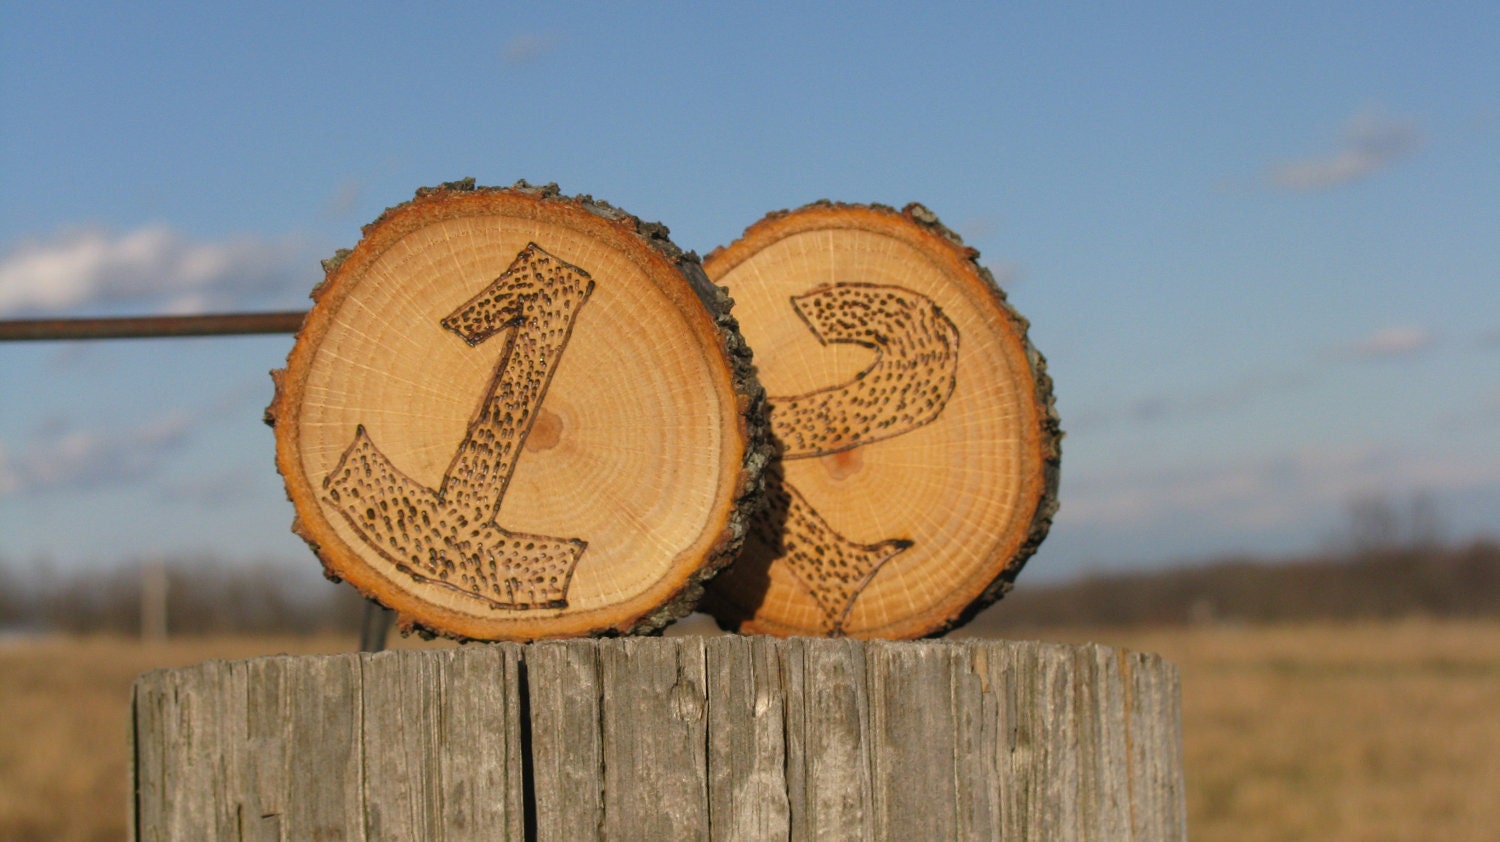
148,327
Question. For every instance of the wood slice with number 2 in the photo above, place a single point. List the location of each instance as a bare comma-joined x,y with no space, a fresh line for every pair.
918,443
515,415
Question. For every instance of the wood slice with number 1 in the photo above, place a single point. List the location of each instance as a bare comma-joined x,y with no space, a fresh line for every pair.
515,415
914,421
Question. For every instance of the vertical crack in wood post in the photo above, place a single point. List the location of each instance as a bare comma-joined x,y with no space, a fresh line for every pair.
706,717
599,709
783,670
1127,687
132,803
528,763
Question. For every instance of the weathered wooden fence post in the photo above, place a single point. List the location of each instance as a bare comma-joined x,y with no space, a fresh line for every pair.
666,738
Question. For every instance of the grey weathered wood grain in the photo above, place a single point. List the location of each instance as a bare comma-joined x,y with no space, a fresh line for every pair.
654,729
828,775
399,745
722,738
746,739
562,681
445,763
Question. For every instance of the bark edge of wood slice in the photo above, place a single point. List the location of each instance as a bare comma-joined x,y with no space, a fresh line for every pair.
516,415
910,489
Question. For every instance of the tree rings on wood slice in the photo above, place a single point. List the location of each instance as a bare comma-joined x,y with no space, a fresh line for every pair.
513,415
918,442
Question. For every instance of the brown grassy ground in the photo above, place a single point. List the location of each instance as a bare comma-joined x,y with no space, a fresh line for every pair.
1366,732
1320,732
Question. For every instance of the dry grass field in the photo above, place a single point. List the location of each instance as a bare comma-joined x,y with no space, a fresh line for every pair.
1387,731
1321,732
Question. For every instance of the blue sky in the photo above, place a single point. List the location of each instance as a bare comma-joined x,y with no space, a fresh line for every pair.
1257,241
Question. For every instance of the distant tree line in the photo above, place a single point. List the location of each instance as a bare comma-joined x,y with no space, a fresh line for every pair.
201,596
1393,562
1370,584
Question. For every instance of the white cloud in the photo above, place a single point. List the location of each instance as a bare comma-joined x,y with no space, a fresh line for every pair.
1386,343
978,228
1178,406
59,457
1280,491
215,490
345,199
527,48
154,268
10,480
1372,141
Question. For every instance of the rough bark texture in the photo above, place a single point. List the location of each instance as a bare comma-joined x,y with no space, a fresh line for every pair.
918,440
515,415
723,738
